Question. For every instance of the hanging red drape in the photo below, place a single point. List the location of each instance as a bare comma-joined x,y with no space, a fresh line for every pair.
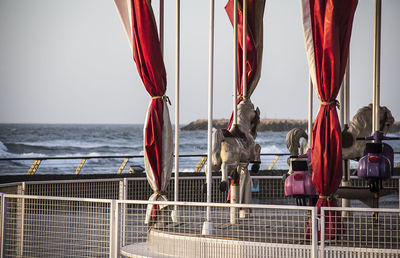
138,19
327,26
254,47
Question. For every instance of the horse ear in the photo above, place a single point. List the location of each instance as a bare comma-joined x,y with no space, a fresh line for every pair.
258,111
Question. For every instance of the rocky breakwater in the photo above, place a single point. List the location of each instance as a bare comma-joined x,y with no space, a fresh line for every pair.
274,125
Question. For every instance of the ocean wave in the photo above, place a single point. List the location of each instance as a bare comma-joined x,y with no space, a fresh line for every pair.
273,149
74,144
3,148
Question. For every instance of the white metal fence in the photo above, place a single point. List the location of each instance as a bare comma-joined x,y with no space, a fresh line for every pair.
38,226
266,189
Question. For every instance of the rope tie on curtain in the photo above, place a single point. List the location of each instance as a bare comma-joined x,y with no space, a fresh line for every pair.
326,197
160,193
334,102
163,97
241,97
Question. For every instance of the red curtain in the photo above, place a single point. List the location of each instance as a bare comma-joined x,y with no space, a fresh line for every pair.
331,23
148,57
150,65
254,47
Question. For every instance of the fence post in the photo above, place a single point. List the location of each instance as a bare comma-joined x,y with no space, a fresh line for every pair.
323,231
3,218
114,229
314,233
21,220
123,195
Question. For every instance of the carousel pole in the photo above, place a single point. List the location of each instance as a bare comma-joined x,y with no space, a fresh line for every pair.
345,114
162,26
235,76
207,226
234,188
175,214
377,67
244,49
310,112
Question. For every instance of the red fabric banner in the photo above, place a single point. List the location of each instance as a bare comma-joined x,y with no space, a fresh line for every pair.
150,65
331,28
255,11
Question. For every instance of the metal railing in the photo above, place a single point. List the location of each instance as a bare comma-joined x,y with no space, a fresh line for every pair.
118,164
38,226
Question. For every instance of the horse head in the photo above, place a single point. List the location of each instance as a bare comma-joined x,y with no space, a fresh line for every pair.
248,117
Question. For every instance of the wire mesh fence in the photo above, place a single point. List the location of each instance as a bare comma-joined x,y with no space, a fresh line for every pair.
256,233
102,189
39,226
43,227
371,232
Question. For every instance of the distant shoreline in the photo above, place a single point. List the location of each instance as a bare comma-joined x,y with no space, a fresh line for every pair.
274,125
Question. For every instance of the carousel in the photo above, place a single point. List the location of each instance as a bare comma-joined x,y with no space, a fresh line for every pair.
219,213
317,175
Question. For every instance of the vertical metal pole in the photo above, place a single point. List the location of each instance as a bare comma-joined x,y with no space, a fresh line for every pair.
322,230
3,218
162,26
377,64
235,75
207,226
244,49
177,100
114,229
341,111
345,100
22,217
310,111
314,233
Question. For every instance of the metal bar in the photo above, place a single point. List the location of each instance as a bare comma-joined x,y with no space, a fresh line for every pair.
200,165
244,43
162,26
235,75
21,202
114,230
207,228
34,167
121,168
122,156
377,65
314,233
322,231
273,162
310,111
177,99
345,113
3,218
80,166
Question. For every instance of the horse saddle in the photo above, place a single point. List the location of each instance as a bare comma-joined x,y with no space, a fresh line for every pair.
237,135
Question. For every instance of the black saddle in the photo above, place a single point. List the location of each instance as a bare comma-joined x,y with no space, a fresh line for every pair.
235,132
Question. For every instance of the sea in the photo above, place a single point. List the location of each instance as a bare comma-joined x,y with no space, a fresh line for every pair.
65,140
32,141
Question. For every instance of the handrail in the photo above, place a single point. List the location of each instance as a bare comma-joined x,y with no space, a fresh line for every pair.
120,156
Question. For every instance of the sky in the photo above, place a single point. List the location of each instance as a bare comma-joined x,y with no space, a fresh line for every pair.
70,62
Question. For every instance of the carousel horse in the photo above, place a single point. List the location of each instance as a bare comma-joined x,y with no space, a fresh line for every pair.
360,127
234,149
297,142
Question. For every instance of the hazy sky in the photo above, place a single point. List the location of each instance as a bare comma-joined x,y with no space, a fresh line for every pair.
70,62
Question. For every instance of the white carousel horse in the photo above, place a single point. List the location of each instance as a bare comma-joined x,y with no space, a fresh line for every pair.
360,127
233,150
297,141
